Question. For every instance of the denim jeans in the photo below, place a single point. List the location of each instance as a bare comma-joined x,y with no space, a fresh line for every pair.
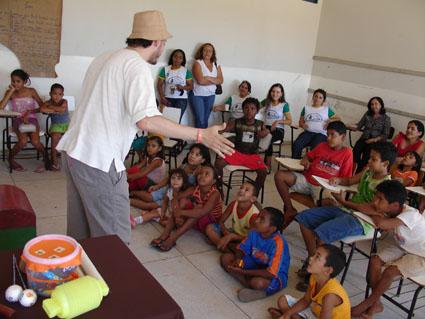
179,104
330,223
305,139
201,107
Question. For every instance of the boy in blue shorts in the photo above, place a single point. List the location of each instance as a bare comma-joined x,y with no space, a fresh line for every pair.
261,262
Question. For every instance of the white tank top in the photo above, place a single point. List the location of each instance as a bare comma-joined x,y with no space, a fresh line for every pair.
205,90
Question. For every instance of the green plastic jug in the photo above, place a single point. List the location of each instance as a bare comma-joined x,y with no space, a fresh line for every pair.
75,297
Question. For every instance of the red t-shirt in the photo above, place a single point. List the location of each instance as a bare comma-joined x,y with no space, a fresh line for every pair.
399,139
327,162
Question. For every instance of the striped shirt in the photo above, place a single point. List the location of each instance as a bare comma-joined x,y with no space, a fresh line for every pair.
217,211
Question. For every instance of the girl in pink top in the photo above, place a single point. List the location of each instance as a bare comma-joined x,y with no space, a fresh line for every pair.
25,101
410,141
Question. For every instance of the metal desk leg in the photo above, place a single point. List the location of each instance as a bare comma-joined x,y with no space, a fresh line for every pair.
9,148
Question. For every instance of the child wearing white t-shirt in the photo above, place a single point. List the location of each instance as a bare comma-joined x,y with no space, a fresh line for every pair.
314,120
406,257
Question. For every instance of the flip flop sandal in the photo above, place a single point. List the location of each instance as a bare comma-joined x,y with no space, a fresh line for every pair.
40,169
55,167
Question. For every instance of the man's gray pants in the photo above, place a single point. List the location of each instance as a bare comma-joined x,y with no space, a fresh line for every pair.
98,202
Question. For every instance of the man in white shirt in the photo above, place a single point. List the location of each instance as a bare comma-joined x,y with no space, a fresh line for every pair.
118,99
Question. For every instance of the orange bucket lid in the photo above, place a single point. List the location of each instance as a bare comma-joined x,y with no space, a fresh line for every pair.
51,251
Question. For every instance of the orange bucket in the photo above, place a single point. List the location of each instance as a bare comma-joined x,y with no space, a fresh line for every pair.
50,260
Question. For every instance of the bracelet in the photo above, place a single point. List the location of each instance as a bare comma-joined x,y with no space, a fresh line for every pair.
199,136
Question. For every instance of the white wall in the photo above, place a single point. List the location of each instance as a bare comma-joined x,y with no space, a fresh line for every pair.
387,33
261,41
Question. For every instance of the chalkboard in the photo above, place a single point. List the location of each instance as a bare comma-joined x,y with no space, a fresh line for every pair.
32,30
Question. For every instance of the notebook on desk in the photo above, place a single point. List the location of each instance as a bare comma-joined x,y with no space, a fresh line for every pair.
334,188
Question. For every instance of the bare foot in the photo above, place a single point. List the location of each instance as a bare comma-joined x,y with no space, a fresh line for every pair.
169,243
16,166
376,308
275,313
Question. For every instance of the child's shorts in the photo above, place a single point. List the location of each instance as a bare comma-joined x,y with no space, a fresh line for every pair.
304,187
276,284
330,223
409,265
158,195
60,128
252,161
217,229
203,222
306,313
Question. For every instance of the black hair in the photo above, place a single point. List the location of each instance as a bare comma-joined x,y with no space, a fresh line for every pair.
24,76
205,152
136,43
251,100
159,141
321,91
170,60
254,185
57,86
182,173
386,151
393,191
419,125
269,94
276,218
369,105
337,126
335,258
247,84
418,162
215,173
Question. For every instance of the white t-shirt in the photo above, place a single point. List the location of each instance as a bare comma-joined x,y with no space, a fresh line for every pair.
172,79
411,235
118,91
205,90
315,118
274,113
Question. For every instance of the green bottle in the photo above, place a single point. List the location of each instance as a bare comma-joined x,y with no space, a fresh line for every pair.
75,297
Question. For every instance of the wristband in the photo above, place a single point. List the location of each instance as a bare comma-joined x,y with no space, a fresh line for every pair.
199,136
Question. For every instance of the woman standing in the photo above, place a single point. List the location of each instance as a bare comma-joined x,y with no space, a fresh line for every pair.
174,81
207,74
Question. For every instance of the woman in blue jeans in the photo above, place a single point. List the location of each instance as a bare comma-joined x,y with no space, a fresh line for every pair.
174,81
206,75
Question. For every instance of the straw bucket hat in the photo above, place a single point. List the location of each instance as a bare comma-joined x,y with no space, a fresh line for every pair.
149,25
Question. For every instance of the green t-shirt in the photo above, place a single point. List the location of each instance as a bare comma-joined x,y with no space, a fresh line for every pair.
366,192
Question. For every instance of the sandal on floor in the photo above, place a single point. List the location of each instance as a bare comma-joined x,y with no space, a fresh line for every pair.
156,243
55,167
40,169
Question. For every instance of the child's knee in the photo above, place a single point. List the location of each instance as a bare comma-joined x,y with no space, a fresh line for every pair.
391,272
282,303
259,283
226,260
376,261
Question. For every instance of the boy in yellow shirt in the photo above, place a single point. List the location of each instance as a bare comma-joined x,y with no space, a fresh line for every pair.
325,297
243,213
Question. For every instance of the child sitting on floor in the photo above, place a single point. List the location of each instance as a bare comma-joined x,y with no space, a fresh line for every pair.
243,213
248,131
151,169
261,262
325,296
177,183
57,107
408,169
328,159
204,208
406,257
151,199
328,224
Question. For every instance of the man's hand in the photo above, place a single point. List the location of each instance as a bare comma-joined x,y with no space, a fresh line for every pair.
213,140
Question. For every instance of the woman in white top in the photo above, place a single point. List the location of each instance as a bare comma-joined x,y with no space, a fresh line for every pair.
174,81
235,101
207,74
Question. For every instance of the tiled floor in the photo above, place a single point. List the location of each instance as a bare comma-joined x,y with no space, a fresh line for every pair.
190,272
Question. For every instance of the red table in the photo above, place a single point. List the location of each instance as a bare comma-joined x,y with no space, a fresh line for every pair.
134,293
